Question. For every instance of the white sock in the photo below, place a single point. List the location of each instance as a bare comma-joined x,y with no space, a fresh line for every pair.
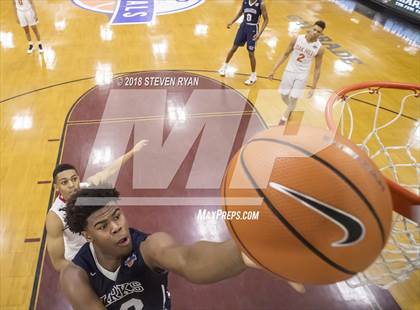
225,65
254,75
31,43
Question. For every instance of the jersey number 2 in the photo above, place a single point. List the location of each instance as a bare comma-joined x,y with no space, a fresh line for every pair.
132,304
300,57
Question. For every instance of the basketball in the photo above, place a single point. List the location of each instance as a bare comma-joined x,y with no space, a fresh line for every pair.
324,208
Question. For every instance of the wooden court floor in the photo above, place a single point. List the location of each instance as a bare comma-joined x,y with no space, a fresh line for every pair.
81,51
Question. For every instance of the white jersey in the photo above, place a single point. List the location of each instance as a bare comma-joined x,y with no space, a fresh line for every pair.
302,55
23,5
72,242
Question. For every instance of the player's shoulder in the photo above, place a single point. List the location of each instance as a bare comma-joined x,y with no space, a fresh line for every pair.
84,258
56,209
53,224
58,203
137,237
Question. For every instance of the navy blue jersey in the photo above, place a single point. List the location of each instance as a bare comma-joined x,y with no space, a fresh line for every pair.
252,12
136,286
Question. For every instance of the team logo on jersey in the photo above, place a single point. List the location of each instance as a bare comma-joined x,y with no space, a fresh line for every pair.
119,291
123,12
129,262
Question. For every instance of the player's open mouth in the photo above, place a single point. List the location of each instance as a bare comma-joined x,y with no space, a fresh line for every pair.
124,241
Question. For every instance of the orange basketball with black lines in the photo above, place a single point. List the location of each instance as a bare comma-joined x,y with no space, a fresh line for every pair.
324,210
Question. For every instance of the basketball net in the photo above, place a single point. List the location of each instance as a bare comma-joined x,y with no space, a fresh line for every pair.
391,138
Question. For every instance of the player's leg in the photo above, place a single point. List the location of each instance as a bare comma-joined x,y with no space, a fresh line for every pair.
240,40
232,51
285,88
38,37
285,99
296,92
27,33
28,37
250,44
253,77
32,21
24,24
290,108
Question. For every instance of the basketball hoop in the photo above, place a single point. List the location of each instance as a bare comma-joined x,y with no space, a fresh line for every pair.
365,114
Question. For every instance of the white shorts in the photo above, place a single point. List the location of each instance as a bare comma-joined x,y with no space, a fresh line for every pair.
293,84
26,18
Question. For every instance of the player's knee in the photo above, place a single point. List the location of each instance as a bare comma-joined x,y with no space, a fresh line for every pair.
292,102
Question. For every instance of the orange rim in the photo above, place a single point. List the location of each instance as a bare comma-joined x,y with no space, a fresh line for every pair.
404,201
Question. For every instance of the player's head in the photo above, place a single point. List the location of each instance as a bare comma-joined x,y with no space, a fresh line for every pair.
66,180
94,213
316,30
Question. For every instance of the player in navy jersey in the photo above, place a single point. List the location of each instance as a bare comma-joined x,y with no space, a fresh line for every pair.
122,268
248,33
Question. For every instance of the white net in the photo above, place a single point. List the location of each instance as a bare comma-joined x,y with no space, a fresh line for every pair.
384,122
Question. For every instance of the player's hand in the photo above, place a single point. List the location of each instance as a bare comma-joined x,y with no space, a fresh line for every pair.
229,25
311,93
140,145
248,262
256,37
298,287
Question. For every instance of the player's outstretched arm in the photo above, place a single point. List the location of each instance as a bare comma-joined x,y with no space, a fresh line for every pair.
283,58
75,284
202,262
103,176
317,71
265,22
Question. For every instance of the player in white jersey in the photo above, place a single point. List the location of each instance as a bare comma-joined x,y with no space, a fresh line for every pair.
301,50
62,244
26,16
